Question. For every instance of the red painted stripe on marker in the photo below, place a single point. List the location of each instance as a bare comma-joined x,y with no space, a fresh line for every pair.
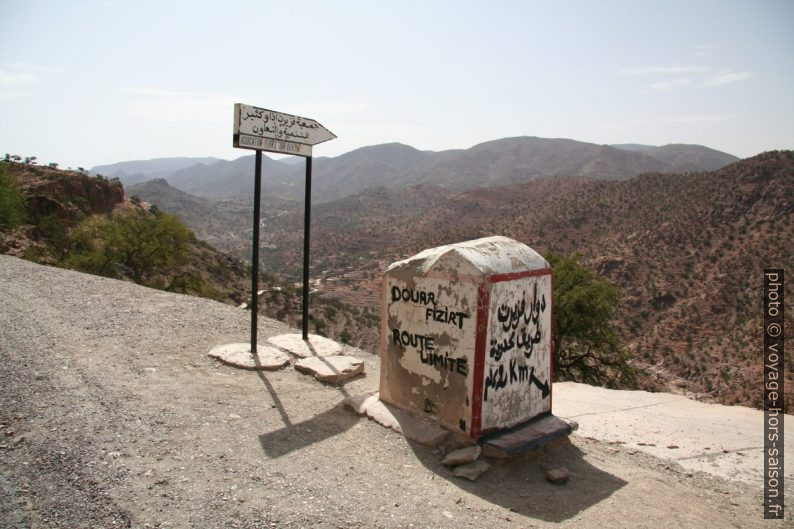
497,278
483,298
551,338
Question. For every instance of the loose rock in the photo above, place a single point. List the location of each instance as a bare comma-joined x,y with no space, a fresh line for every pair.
558,475
463,455
471,470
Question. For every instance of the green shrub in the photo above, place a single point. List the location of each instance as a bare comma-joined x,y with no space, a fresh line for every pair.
344,336
136,244
586,347
330,313
52,229
12,201
187,283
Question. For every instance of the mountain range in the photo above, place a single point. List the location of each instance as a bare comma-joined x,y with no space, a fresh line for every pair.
141,170
394,165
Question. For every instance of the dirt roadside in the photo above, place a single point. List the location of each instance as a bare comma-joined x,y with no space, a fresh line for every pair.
113,416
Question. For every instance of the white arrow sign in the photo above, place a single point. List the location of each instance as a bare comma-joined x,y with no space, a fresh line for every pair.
267,130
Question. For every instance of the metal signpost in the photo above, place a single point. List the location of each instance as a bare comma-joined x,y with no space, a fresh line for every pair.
265,130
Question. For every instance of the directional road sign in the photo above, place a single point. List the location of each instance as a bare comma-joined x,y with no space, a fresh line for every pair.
267,130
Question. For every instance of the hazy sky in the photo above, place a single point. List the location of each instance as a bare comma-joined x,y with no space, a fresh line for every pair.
85,83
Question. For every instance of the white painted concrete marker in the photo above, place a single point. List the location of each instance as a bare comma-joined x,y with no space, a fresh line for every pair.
466,335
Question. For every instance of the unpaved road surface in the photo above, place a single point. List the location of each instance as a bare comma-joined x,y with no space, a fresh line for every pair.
113,416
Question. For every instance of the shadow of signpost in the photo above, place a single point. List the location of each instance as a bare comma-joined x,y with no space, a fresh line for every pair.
519,484
296,436
320,427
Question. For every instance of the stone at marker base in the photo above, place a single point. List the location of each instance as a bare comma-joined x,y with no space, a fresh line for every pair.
515,442
471,470
316,346
414,427
462,455
331,369
239,355
527,437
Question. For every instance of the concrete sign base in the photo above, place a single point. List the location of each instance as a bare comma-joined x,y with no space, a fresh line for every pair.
314,346
239,355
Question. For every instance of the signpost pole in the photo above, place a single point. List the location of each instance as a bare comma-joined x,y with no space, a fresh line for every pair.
306,223
261,129
255,250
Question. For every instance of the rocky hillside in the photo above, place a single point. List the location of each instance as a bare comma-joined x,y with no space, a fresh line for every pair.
59,204
687,252
203,215
55,201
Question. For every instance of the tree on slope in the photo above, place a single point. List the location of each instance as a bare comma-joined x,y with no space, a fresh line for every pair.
137,244
586,347
12,201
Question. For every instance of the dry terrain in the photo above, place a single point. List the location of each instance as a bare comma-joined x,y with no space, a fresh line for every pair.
112,415
686,250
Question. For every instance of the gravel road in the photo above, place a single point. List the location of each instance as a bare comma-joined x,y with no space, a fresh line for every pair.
112,415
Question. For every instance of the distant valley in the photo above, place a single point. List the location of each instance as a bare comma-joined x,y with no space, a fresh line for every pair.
686,249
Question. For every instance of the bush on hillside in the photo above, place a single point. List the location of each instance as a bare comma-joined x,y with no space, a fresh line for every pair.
141,245
12,201
586,347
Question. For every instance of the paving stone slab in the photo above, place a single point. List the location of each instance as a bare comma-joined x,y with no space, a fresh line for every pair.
314,346
239,355
331,369
414,427
528,437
